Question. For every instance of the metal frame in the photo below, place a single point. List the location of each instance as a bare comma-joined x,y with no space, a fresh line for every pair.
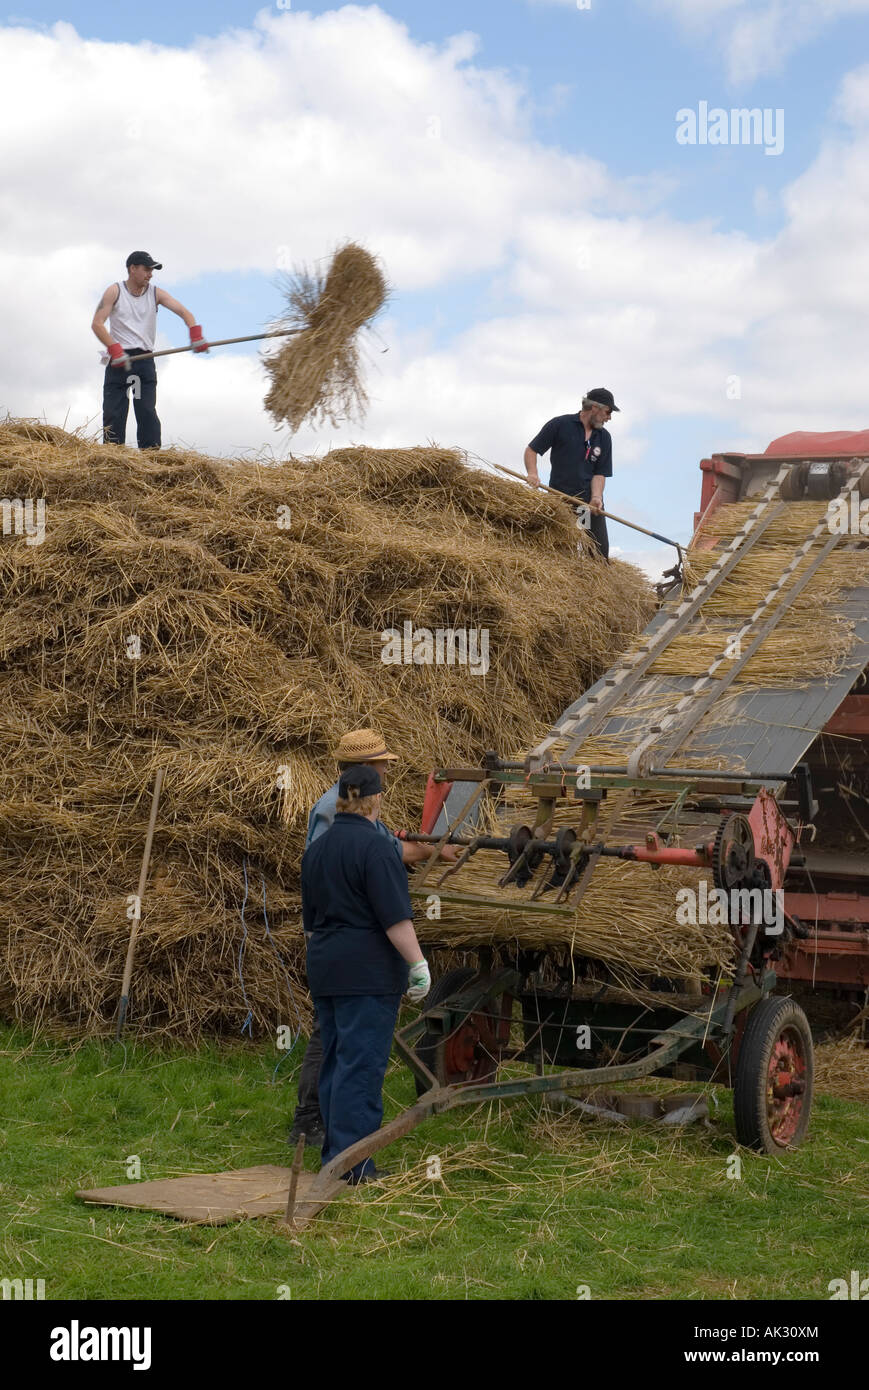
625,675
695,704
714,1026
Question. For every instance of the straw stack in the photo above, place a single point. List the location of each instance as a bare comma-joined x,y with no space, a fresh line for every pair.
224,622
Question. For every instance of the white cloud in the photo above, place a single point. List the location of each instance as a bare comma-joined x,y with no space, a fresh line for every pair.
651,562
305,130
755,36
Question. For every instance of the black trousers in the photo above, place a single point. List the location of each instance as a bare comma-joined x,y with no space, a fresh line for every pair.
600,534
308,1106
141,379
597,527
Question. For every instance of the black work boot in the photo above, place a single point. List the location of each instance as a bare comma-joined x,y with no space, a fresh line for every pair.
313,1130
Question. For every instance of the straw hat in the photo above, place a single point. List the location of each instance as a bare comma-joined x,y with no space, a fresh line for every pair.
363,746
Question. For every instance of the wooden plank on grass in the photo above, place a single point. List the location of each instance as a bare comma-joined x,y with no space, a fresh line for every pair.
210,1199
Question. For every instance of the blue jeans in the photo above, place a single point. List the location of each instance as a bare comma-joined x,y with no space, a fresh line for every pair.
357,1034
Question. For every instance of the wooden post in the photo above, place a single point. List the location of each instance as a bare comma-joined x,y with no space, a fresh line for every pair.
134,931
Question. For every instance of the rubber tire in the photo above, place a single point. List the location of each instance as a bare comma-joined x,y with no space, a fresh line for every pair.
765,1022
448,984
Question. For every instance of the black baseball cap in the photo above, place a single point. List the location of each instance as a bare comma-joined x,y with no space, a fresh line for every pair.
364,779
143,258
602,396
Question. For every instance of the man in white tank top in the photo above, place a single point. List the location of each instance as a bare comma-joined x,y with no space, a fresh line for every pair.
130,307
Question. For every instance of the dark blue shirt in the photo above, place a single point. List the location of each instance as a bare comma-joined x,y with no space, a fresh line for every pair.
354,888
574,460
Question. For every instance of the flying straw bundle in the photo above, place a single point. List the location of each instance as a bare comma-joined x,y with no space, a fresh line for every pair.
316,374
224,621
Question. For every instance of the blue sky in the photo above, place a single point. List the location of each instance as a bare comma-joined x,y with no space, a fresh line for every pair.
586,97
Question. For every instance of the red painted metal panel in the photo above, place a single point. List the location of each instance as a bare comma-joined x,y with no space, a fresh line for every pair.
436,794
834,958
773,838
829,907
816,445
719,477
852,717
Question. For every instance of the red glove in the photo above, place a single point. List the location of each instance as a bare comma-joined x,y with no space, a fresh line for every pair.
118,356
196,338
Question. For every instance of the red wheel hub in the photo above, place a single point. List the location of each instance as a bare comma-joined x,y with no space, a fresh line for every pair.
472,1051
786,1085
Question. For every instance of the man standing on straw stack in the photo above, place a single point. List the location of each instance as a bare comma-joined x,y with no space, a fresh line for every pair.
360,746
130,306
581,458
358,924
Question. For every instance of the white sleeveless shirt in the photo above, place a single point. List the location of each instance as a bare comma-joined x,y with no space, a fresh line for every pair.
133,320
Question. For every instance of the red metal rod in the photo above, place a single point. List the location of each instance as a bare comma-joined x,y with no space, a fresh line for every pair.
692,857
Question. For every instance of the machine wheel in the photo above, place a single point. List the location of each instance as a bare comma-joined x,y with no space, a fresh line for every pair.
772,1092
472,1052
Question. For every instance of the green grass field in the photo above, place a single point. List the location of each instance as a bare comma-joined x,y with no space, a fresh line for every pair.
532,1203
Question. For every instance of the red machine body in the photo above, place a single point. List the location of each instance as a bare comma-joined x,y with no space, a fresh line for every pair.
829,892
736,477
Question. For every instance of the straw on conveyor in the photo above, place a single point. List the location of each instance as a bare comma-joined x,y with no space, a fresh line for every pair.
792,655
760,569
260,637
813,639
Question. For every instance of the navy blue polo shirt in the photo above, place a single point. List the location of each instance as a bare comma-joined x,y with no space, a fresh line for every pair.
574,461
354,888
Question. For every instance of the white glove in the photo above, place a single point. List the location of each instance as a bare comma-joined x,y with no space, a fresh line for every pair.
419,981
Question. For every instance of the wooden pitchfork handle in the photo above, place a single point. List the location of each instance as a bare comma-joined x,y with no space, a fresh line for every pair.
610,516
218,342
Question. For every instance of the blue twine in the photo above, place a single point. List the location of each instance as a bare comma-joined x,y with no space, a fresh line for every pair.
274,946
247,1026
